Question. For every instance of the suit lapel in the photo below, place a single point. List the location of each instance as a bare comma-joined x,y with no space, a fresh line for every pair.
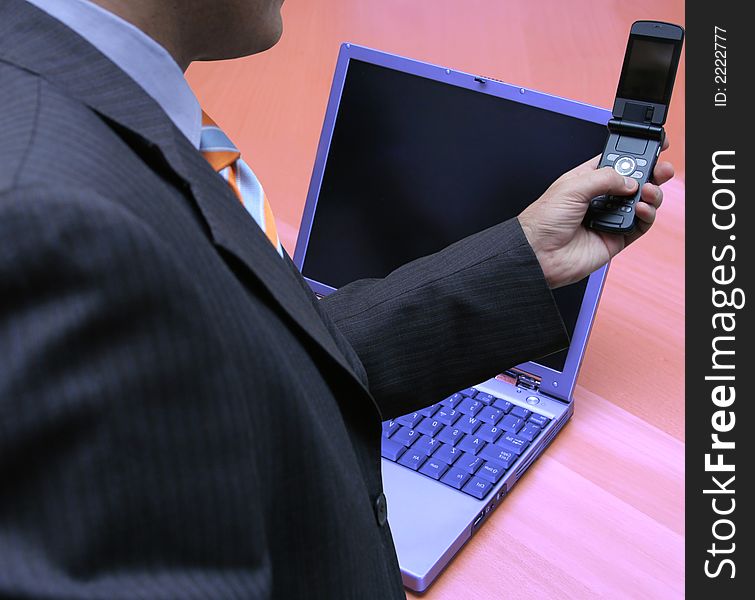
76,67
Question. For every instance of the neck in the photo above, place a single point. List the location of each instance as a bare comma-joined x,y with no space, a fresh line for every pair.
158,20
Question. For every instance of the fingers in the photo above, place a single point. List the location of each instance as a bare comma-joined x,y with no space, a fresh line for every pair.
666,144
663,172
652,195
589,184
645,217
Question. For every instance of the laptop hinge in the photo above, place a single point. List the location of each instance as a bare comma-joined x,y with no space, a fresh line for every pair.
521,379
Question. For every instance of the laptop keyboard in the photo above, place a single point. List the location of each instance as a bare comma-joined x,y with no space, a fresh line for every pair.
468,441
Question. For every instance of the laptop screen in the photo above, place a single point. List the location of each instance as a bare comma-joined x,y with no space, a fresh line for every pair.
417,164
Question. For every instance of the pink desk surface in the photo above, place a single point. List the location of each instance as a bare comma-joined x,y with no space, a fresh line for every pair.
613,479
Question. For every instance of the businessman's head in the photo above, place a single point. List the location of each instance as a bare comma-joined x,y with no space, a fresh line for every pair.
204,29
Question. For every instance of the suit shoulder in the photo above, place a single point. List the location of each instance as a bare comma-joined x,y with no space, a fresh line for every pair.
47,135
19,98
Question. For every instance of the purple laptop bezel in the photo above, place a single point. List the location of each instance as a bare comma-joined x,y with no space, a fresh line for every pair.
559,384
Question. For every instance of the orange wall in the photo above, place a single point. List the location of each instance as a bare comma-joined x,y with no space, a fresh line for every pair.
272,105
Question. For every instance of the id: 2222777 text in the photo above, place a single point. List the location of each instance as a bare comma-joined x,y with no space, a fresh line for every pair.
719,65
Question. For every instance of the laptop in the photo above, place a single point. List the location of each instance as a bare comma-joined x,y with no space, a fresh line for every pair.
453,153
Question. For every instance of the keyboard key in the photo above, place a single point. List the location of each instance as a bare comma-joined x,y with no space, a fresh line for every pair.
391,450
510,442
529,432
452,400
405,436
491,471
429,426
471,392
471,443
469,462
468,424
451,435
434,468
539,419
389,428
426,444
477,487
429,411
412,459
410,420
521,412
484,398
455,478
447,453
470,406
489,433
511,423
447,415
490,415
503,457
503,405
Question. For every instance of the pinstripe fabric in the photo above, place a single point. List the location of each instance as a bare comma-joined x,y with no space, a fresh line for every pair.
179,416
225,158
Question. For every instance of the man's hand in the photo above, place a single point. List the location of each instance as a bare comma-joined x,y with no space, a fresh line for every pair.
566,249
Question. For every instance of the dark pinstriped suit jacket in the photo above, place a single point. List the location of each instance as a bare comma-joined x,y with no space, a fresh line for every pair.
179,416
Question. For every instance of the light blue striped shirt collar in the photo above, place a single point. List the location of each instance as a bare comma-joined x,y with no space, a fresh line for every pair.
141,57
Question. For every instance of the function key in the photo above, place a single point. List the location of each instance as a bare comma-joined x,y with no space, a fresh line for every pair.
452,400
521,412
455,477
430,410
484,398
612,157
502,405
641,162
471,392
626,209
477,487
638,174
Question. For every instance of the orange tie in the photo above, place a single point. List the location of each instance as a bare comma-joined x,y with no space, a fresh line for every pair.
225,158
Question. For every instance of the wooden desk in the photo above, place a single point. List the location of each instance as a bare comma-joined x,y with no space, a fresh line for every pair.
613,479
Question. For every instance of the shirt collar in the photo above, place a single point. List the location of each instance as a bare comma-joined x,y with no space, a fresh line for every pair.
138,55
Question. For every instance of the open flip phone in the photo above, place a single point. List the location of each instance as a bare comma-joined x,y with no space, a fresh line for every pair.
636,132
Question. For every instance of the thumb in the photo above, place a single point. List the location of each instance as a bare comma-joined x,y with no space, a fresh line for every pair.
588,185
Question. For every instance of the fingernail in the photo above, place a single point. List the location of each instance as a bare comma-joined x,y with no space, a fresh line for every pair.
630,183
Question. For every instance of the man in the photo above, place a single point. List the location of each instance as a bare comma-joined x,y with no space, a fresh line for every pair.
179,416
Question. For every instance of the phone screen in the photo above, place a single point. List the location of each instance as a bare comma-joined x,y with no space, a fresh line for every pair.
647,70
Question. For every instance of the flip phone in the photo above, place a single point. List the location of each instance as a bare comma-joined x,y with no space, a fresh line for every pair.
635,131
